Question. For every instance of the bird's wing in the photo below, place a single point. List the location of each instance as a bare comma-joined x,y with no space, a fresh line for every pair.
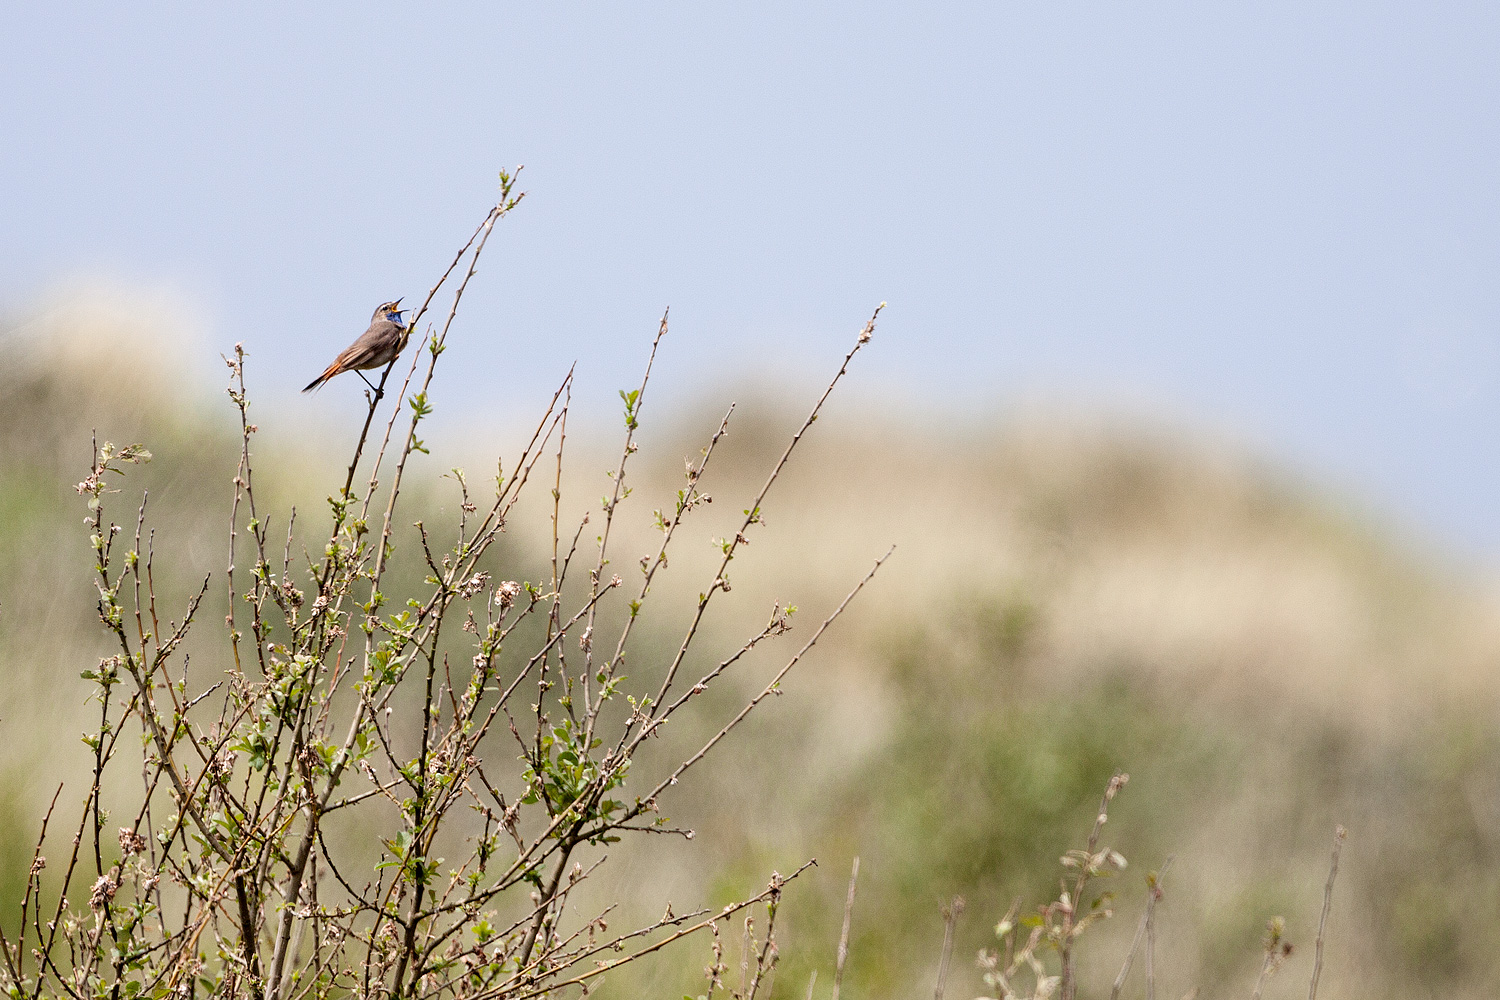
370,349
377,346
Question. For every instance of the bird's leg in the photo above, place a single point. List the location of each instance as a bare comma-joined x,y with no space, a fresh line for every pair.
375,389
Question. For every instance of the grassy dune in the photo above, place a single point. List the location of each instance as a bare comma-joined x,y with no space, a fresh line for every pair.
1068,599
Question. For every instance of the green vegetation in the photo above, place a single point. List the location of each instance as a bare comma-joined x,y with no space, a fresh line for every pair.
1065,604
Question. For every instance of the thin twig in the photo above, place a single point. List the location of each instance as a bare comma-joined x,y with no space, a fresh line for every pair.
753,516
1145,930
774,687
1151,901
950,917
1339,833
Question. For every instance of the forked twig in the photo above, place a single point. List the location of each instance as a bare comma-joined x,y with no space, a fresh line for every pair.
1145,930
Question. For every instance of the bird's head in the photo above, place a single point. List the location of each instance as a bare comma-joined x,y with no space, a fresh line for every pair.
389,310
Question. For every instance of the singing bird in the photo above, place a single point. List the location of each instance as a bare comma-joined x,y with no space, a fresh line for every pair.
376,347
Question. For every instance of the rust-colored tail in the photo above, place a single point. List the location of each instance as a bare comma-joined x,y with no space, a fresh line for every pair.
332,370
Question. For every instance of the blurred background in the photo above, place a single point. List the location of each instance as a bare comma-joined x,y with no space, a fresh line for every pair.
1181,415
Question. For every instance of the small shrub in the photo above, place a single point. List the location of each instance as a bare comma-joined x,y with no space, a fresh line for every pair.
332,700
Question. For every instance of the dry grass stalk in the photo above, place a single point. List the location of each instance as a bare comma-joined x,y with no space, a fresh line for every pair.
843,953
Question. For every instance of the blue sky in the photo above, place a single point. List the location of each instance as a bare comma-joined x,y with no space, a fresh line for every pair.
1279,222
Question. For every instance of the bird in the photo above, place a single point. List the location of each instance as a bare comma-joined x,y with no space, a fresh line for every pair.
381,344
